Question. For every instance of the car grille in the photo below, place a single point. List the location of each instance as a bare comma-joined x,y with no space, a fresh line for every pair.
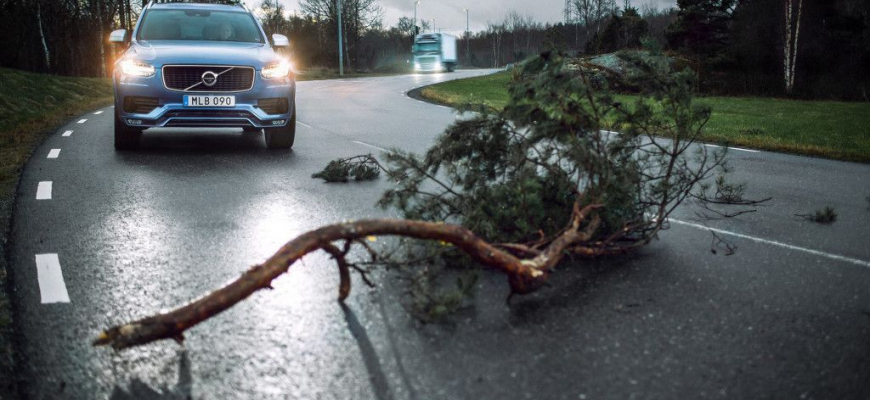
181,77
427,62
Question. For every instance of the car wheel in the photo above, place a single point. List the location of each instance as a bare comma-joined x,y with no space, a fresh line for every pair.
126,138
283,137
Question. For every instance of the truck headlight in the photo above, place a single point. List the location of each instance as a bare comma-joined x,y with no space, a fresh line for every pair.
277,70
137,68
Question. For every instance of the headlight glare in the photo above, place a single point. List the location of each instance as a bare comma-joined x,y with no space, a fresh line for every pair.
137,68
277,70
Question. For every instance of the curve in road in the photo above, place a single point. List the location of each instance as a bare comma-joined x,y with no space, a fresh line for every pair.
102,237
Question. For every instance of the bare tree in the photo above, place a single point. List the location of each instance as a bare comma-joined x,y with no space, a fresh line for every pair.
358,17
42,37
592,12
793,10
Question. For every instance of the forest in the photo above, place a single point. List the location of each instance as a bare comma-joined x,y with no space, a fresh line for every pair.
797,48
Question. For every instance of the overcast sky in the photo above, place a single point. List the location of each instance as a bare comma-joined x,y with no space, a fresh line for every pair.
449,16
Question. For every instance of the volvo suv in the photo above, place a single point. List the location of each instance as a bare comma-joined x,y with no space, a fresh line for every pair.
202,64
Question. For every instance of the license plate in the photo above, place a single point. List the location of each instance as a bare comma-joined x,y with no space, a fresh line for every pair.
209,101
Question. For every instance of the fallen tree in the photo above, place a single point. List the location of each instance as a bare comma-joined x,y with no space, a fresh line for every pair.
514,190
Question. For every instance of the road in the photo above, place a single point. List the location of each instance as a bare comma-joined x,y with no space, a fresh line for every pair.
120,235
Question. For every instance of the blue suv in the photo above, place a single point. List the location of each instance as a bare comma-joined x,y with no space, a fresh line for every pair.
206,64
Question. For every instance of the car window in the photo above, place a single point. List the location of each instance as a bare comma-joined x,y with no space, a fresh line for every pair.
219,26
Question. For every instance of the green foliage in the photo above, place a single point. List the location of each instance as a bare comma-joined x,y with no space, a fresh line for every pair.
433,301
622,32
359,168
514,174
728,192
701,27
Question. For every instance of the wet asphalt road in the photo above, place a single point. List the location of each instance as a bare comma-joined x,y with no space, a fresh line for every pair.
787,316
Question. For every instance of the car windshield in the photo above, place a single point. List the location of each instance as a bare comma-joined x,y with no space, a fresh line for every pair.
199,25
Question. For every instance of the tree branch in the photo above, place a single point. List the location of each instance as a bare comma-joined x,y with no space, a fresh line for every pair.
524,276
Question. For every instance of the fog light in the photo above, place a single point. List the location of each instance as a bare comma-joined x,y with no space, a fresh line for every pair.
134,122
278,122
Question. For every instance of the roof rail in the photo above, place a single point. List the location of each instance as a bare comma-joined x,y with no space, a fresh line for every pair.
239,3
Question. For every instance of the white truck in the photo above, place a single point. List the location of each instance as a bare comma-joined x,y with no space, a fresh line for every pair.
434,52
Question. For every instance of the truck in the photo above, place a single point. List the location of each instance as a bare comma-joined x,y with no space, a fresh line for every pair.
434,52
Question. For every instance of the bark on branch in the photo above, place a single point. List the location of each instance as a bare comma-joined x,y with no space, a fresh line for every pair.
524,275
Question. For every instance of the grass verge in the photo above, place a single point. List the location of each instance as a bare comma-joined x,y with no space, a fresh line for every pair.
31,107
831,129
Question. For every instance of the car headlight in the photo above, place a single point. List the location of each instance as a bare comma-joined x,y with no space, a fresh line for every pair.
137,68
277,70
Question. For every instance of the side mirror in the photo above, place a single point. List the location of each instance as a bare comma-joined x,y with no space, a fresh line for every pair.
280,41
118,36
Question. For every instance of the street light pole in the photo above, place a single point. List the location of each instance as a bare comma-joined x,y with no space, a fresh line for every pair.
414,32
467,39
340,44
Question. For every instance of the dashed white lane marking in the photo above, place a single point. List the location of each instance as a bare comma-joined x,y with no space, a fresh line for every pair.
54,153
43,190
775,243
67,133
374,147
52,289
98,112
303,124
83,121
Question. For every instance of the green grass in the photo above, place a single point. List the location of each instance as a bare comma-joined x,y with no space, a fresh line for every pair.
838,130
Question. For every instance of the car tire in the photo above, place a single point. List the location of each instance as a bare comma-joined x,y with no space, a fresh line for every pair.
283,137
126,138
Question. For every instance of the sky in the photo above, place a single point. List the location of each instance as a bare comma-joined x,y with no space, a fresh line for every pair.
450,17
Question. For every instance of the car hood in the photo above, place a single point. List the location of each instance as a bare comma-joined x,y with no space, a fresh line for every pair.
164,52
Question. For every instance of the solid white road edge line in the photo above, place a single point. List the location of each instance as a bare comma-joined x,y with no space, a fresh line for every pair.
775,243
54,153
67,133
52,289
374,147
733,148
43,190
83,121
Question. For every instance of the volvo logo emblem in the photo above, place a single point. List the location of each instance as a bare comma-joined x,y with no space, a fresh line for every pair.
209,78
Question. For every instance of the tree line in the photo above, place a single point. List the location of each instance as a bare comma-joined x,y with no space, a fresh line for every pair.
802,48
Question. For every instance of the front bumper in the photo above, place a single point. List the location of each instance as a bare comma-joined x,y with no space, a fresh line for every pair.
171,111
